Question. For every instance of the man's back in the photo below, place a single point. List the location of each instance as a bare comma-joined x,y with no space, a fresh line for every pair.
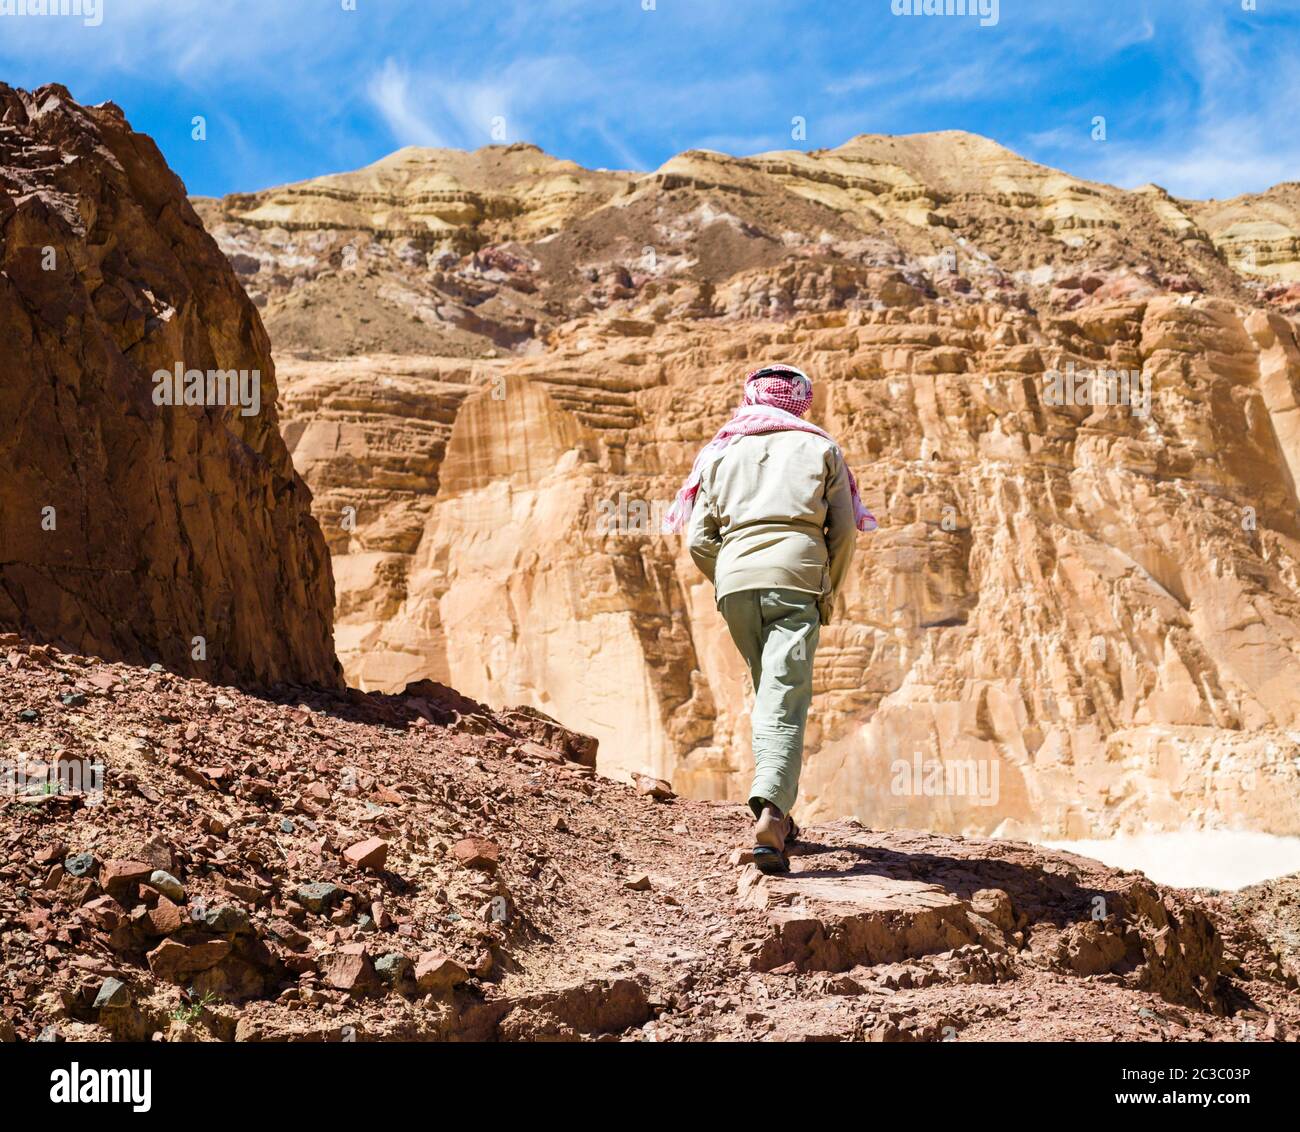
775,511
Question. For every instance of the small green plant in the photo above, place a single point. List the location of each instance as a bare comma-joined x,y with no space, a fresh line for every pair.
192,1009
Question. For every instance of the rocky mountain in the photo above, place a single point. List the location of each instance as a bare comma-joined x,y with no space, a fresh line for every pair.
433,251
130,526
1077,619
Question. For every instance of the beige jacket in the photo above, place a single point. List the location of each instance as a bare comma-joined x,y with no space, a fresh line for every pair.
775,510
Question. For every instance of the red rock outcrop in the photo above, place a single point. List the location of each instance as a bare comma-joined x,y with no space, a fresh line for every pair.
172,533
206,884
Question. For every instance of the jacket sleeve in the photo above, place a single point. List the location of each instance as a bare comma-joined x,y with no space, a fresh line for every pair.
841,530
702,534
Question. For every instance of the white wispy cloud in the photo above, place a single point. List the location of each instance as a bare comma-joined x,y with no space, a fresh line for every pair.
425,107
1221,124
390,94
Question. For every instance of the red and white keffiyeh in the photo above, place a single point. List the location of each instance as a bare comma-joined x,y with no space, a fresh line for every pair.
776,398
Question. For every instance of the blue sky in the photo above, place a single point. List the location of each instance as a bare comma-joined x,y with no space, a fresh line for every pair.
1200,96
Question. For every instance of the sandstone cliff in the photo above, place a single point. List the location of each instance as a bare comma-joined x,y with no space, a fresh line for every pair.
1077,619
133,529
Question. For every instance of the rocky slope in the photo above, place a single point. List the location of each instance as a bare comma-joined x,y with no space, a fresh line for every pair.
1076,620
186,862
171,533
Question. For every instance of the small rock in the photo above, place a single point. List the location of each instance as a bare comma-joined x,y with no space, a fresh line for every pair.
994,904
318,896
104,912
249,893
180,1031
159,853
174,962
165,917
659,789
50,853
119,878
112,993
290,936
436,972
477,853
102,680
30,715
638,883
167,884
349,969
843,984
226,919
73,699
394,968
369,854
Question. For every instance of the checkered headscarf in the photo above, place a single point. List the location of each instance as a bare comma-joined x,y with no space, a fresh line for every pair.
782,386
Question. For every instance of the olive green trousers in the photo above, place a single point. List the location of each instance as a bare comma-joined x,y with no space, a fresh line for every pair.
776,632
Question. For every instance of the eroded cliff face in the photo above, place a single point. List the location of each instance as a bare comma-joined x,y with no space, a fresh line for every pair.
1076,619
132,529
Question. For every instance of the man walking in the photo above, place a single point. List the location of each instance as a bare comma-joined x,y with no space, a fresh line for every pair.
771,511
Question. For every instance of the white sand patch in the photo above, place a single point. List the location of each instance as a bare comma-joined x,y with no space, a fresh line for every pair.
1221,859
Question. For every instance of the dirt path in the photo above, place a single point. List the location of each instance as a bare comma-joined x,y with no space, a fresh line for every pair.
505,890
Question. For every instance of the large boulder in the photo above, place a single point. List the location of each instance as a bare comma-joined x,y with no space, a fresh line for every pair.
129,528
